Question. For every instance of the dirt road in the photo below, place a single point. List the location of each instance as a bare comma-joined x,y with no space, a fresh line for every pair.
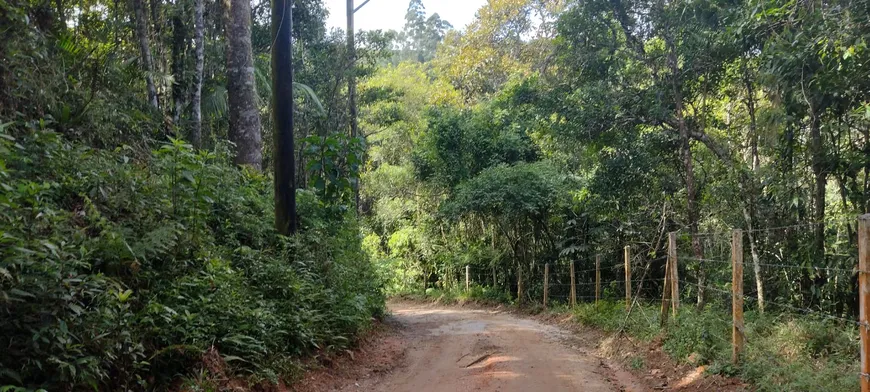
460,349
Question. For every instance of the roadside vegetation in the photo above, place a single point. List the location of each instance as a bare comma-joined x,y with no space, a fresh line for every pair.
553,133
138,244
120,271
158,204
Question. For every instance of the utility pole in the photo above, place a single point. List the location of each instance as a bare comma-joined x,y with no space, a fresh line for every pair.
351,87
282,112
351,79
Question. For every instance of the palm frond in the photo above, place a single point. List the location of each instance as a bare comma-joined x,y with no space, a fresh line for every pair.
215,103
308,91
264,84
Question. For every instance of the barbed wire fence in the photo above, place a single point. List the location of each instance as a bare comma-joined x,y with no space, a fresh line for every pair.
716,274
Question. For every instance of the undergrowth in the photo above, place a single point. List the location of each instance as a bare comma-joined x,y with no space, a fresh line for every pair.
120,268
783,352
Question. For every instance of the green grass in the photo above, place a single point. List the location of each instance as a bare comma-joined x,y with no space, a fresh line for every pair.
783,352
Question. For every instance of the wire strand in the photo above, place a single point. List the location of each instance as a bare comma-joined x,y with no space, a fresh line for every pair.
767,302
776,265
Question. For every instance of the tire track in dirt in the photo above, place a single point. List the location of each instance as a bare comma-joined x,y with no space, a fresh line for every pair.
460,349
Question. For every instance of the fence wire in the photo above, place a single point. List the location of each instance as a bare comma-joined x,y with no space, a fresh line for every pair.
773,290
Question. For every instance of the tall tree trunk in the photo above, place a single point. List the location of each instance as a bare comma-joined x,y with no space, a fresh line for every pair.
179,46
158,55
753,192
688,166
282,112
141,22
821,179
244,116
196,101
156,20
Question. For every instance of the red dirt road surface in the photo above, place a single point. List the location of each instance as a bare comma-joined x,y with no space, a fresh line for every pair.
460,349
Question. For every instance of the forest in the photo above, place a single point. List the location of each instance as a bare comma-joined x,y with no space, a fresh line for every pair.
184,179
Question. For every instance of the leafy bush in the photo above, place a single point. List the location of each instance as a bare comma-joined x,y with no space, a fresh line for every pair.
610,316
118,269
800,353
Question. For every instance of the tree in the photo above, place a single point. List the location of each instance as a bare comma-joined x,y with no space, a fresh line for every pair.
179,50
145,59
244,114
196,100
421,35
507,38
678,57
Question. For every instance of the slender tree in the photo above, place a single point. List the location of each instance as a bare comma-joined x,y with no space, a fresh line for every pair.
244,116
145,50
179,50
198,41
282,113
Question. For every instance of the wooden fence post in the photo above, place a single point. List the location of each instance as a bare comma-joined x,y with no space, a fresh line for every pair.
666,294
573,287
737,337
597,277
627,277
467,277
546,282
864,297
675,277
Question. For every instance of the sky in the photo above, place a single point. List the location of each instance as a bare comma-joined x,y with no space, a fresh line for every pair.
390,14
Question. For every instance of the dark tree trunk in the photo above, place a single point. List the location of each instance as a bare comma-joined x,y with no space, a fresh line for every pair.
155,18
179,46
158,59
244,116
59,10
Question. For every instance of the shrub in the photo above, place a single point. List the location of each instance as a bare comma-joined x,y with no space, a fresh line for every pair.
119,269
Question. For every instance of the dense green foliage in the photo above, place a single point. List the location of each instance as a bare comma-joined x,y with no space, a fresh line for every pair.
686,117
118,271
127,255
585,126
